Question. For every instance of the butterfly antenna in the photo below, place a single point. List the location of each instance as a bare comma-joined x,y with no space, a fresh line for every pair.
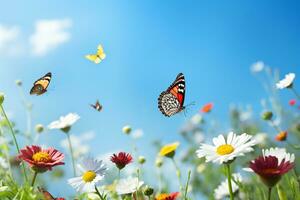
186,109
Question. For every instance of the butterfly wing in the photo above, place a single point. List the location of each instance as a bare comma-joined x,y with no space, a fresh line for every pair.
178,88
47,195
97,106
40,86
100,52
94,58
171,101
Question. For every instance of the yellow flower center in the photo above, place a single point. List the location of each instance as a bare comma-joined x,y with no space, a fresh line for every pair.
162,197
89,176
225,149
41,157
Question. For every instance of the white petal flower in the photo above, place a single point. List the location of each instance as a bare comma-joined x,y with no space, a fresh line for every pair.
138,133
286,82
64,121
3,163
198,137
128,185
257,67
227,149
280,153
92,171
79,145
260,138
197,119
222,191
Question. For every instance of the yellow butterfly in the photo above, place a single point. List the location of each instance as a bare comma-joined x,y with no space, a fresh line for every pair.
98,57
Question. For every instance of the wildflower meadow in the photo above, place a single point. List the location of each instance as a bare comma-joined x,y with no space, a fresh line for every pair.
107,101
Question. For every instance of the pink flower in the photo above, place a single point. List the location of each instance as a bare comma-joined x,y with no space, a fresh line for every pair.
292,102
269,169
39,159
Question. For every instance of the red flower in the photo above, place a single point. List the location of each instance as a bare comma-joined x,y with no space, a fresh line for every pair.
292,102
121,160
207,108
281,136
171,196
269,170
40,159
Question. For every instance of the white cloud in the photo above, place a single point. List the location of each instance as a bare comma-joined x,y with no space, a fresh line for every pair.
49,34
9,39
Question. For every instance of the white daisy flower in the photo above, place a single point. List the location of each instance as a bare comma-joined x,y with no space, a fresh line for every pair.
257,67
287,82
64,121
280,153
128,185
222,191
223,151
92,171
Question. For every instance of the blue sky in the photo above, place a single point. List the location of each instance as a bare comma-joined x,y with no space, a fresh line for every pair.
147,44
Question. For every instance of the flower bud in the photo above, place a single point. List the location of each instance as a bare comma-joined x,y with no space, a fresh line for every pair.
18,82
298,127
159,162
1,98
148,191
267,115
142,159
281,136
39,128
126,129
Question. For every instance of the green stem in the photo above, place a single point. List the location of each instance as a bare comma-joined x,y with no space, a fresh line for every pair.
177,173
159,180
28,108
99,194
277,128
34,178
297,175
269,193
72,154
229,181
187,185
14,138
296,93
6,153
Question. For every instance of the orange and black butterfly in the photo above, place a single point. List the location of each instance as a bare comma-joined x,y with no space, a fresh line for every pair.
48,196
97,106
171,101
40,86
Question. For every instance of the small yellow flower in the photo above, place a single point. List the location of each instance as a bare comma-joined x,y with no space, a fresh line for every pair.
169,150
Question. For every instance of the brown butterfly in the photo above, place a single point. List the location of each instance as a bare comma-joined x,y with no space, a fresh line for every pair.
40,86
48,196
97,106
